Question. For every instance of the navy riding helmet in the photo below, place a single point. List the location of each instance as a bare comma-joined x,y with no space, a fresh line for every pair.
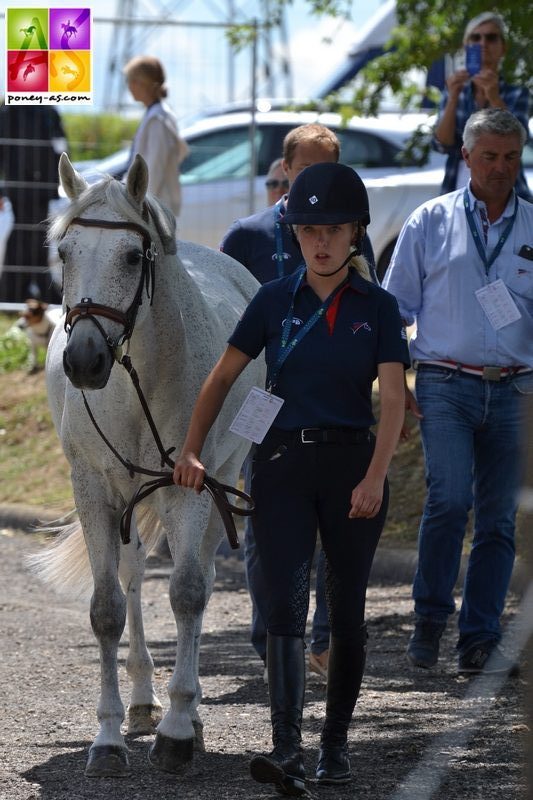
327,194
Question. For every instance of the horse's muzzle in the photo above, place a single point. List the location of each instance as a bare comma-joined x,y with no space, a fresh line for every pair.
87,368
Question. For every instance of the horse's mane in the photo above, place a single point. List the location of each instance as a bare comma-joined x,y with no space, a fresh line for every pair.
115,194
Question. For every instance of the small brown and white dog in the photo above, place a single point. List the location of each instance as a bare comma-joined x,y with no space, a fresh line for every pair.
38,322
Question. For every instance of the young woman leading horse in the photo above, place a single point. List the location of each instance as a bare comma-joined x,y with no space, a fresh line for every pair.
327,333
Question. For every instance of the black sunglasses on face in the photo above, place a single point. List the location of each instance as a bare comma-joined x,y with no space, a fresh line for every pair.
489,37
274,184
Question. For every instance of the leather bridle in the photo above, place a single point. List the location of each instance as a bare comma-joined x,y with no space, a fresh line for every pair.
87,309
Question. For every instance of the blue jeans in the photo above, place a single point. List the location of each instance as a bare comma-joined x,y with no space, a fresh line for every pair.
473,438
259,593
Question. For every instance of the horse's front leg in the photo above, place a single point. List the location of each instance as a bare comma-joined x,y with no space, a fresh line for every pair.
190,586
145,710
108,753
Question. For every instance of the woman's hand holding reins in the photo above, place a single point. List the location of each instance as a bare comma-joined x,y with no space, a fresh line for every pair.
189,472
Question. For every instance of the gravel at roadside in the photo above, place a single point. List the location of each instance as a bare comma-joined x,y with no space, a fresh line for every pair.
49,664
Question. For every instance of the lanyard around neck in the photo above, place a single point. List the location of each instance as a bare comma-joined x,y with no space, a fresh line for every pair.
286,347
488,262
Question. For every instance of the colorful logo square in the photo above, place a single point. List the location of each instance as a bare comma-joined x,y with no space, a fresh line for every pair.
70,71
27,28
27,71
70,29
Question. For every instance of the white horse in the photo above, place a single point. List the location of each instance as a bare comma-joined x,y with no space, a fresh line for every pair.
126,288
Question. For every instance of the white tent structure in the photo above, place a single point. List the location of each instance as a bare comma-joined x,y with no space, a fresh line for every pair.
371,43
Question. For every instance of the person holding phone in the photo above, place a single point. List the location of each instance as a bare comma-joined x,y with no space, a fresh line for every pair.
327,334
477,86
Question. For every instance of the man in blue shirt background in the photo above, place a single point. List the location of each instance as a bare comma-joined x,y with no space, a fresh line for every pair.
463,271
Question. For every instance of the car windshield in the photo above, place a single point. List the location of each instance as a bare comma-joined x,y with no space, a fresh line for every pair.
214,164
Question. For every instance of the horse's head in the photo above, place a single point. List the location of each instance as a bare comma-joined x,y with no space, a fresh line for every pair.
109,238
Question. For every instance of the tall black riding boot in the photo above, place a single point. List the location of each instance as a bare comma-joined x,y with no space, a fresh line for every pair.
345,672
284,766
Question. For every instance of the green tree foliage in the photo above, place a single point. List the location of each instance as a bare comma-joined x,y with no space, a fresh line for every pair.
97,135
426,31
430,29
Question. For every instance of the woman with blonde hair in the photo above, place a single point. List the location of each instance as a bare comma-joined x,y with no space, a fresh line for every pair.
157,139
327,334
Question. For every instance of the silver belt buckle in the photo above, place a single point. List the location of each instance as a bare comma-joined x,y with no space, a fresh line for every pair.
492,373
302,435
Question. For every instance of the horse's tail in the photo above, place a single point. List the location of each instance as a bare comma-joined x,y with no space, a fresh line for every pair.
64,564
149,525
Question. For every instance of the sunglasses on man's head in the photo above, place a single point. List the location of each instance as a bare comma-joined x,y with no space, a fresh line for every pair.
489,37
274,184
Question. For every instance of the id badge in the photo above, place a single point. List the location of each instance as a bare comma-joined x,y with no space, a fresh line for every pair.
256,415
498,305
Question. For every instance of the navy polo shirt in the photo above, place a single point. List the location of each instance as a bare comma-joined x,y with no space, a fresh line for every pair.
252,242
327,379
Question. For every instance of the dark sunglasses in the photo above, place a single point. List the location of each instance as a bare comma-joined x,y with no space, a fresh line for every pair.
273,184
489,37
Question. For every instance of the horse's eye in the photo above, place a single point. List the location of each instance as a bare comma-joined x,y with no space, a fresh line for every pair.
134,257
61,254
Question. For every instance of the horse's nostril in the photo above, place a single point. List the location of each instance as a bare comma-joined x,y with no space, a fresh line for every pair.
98,364
66,365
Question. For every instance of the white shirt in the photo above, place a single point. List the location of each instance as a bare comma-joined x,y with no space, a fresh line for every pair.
157,140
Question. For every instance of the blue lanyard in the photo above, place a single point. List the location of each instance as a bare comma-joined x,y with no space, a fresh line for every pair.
286,347
488,262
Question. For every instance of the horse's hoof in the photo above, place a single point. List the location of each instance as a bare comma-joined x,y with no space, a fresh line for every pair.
107,761
199,744
171,755
144,719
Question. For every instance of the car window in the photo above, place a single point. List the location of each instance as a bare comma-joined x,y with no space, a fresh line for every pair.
226,154
362,150
222,154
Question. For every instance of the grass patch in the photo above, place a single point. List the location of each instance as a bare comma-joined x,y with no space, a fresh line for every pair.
14,346
34,469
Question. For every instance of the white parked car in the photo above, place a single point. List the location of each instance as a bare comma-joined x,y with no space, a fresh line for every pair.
216,183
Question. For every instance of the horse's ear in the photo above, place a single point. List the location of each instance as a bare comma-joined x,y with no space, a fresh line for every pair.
137,180
71,181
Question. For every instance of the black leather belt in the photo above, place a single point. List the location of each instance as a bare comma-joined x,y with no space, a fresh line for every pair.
332,435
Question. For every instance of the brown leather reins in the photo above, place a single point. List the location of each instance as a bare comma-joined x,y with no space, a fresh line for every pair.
87,309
